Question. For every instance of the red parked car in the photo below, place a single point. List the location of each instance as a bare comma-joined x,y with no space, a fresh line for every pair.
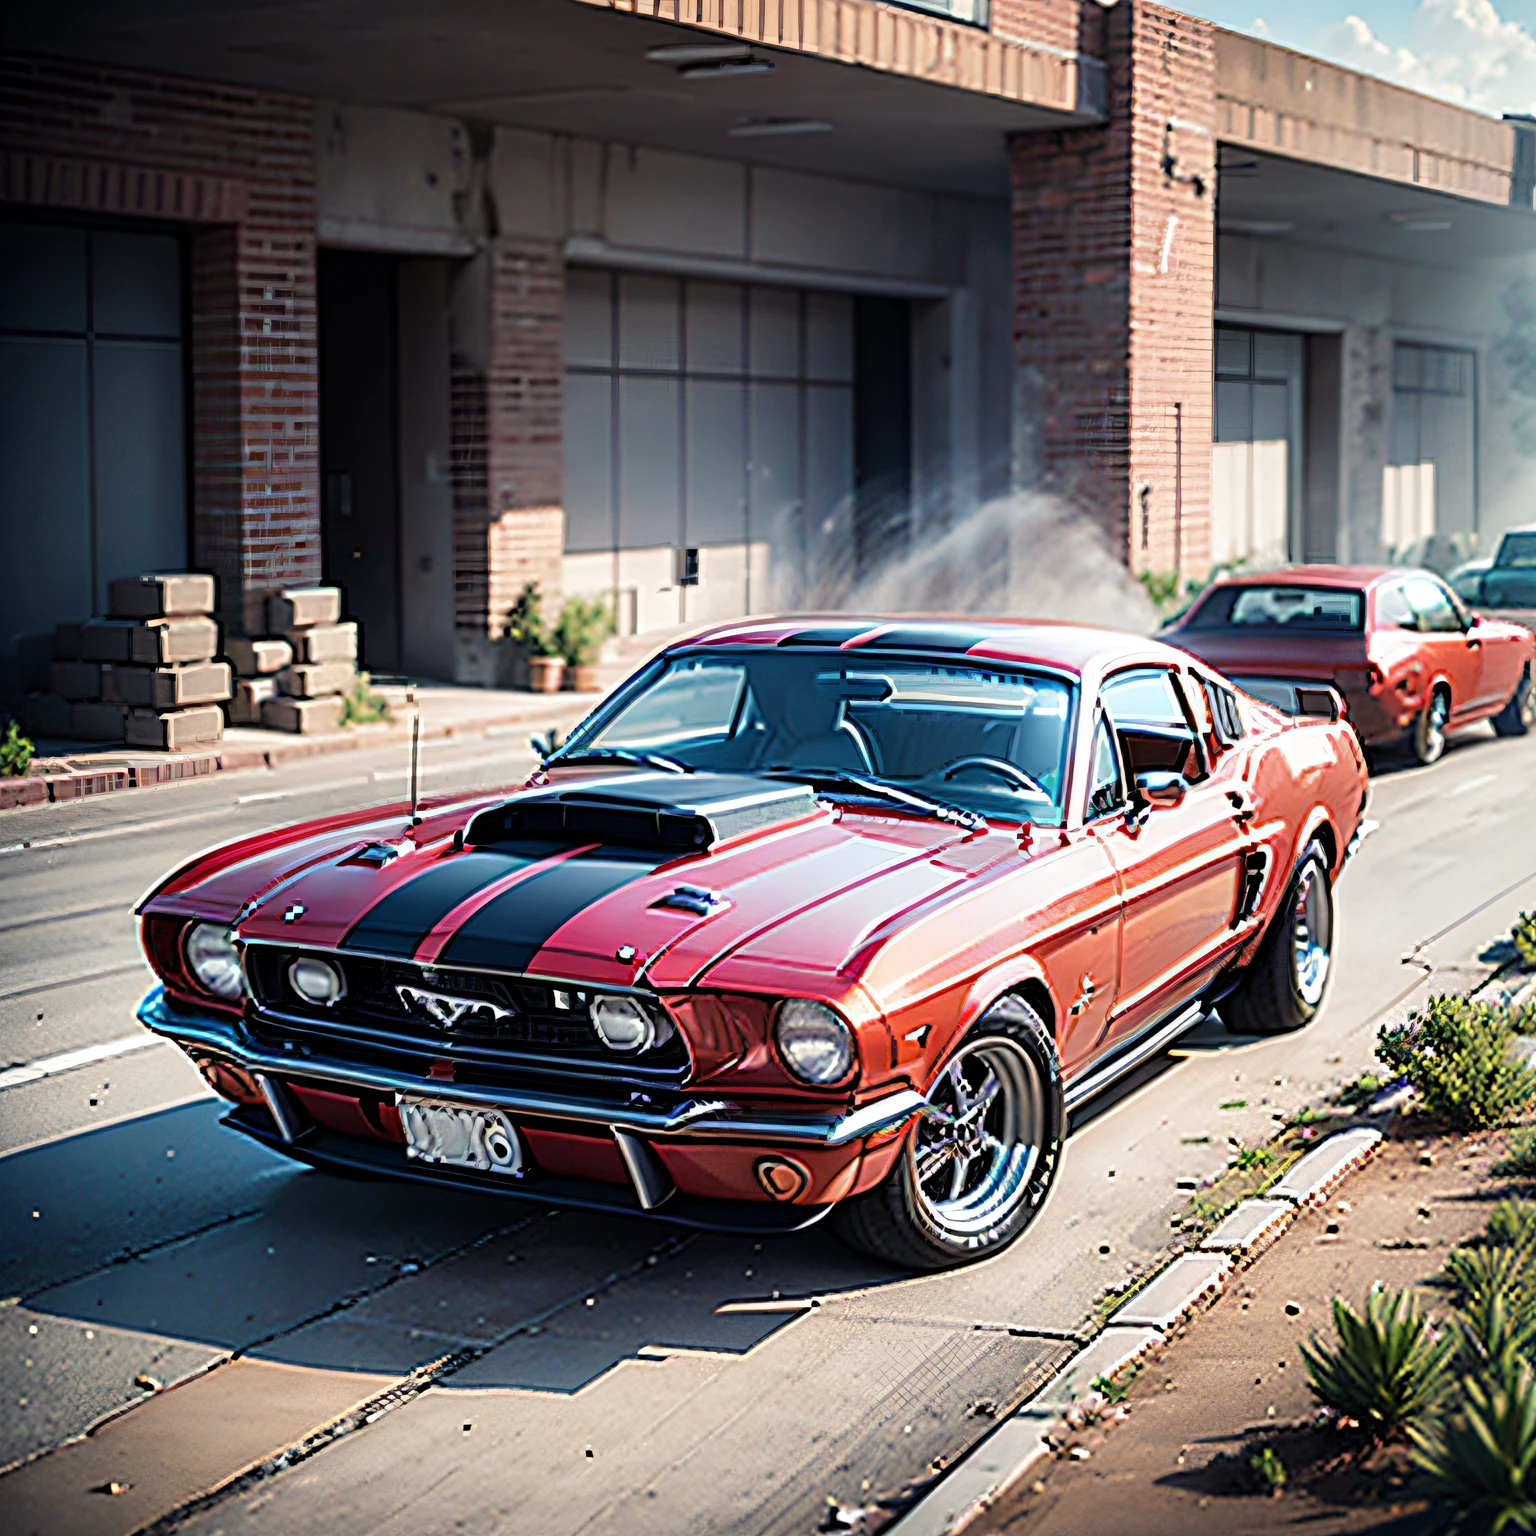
808,917
1410,660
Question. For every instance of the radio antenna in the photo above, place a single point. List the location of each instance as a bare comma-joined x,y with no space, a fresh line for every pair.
410,698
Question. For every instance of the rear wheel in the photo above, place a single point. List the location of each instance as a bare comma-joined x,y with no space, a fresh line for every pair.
1428,739
980,1160
1519,715
1283,988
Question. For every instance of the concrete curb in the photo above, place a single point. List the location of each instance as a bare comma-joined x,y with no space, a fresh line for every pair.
44,788
1141,1324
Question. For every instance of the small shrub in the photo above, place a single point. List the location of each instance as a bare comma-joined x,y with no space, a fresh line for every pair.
1457,1054
1512,1224
1360,1092
1520,1163
583,625
525,627
1268,1470
15,752
1523,937
363,706
1249,1158
1482,1460
1386,1371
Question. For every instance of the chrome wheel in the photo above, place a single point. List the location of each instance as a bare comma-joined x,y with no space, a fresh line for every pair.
1429,734
973,1154
1312,934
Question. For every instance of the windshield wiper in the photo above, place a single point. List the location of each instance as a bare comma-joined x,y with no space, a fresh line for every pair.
617,755
836,778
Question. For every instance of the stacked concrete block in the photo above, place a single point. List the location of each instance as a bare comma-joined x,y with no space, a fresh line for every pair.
145,676
295,679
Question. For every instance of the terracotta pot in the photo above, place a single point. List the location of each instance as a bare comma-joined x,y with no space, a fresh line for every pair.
582,679
545,673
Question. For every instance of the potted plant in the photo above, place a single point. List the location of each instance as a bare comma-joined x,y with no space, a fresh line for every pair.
584,624
527,632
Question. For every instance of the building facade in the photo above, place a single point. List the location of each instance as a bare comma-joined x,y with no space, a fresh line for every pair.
710,308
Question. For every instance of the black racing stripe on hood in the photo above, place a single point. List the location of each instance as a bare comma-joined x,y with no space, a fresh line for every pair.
509,931
398,923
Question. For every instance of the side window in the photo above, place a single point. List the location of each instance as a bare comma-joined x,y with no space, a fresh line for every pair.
1157,729
1437,613
1224,711
1106,784
1392,608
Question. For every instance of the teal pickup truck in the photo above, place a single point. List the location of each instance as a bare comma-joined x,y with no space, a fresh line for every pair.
1506,581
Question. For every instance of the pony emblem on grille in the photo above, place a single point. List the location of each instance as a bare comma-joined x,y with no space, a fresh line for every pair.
446,1012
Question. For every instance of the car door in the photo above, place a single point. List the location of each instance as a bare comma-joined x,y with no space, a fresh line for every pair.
1181,865
1450,650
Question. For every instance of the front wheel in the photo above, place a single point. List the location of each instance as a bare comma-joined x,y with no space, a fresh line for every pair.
1519,714
1428,739
980,1160
1283,988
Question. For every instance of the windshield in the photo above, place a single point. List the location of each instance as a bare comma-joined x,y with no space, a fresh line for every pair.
989,741
1268,607
1517,552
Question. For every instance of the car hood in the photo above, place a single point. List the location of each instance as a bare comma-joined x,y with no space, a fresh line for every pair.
801,906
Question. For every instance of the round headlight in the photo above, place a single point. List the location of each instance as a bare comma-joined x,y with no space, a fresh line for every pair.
316,981
214,960
816,1045
626,1024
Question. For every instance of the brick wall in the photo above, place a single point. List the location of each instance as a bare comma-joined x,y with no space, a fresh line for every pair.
509,527
1114,295
237,168
1073,26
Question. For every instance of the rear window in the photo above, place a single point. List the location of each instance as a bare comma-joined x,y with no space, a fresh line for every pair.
1518,551
1279,606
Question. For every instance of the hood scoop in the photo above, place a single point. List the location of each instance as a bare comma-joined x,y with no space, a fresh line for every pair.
671,812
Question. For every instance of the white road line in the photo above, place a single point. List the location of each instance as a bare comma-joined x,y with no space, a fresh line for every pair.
270,794
125,830
1477,783
68,1061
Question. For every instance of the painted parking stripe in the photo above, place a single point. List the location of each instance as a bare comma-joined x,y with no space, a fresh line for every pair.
87,1055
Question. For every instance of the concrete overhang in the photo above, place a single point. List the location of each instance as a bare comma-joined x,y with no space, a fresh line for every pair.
1283,103
912,100
1278,198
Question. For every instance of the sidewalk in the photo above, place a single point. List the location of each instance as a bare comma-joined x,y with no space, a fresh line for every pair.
73,770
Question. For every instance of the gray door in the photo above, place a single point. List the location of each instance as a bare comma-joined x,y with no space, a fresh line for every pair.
93,463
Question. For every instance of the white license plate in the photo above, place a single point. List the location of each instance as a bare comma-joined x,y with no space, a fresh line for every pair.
459,1135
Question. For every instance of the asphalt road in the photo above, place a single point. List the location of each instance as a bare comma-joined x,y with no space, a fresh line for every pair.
580,1373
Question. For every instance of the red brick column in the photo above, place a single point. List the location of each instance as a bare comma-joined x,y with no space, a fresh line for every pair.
509,524
236,168
1114,293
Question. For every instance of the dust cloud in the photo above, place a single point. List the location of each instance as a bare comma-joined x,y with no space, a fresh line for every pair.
1023,555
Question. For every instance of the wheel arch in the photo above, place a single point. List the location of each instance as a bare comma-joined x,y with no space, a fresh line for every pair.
1318,827
1022,976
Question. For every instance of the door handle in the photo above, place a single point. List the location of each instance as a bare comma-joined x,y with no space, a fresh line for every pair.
1084,996
1242,807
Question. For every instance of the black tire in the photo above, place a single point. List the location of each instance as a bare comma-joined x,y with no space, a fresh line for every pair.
1017,1131
1427,739
1284,986
1519,714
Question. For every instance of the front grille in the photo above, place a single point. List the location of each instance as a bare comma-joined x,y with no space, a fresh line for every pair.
520,1020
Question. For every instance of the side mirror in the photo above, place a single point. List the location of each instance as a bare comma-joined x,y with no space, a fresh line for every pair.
541,744
1474,619
1165,789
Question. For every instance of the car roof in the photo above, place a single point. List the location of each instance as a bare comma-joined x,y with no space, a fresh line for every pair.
1316,576
1076,648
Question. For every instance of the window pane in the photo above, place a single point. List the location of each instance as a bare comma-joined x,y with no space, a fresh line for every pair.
1234,351
715,313
1392,608
1432,605
696,701
829,337
1105,794
588,463
775,333
136,285
1517,551
649,322
717,470
649,513
1298,607
42,278
1144,698
588,333
775,484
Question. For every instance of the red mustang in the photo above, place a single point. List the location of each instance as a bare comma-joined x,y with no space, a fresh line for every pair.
812,916
1410,660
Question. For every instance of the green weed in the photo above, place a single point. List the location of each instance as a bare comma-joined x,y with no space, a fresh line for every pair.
1457,1054
15,752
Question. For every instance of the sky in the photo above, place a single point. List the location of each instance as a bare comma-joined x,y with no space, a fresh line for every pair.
1478,53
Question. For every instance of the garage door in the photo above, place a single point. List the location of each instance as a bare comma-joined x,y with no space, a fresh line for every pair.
705,417
93,468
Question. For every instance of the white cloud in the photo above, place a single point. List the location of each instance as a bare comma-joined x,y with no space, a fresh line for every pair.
1259,27
1463,50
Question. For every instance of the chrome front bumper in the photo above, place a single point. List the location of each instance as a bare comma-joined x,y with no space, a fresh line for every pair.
218,1035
